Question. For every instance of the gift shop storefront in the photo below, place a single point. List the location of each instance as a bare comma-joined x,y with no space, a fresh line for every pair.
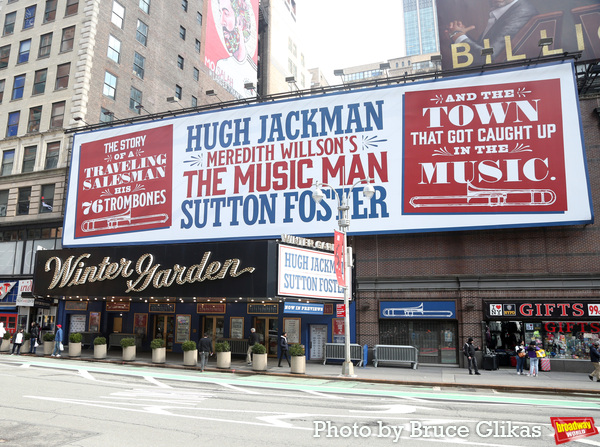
565,329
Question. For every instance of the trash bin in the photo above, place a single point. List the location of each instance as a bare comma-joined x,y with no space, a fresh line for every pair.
490,362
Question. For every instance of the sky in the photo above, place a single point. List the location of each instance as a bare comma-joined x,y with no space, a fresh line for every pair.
337,34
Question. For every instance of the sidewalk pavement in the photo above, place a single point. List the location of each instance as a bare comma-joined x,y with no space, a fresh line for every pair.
504,379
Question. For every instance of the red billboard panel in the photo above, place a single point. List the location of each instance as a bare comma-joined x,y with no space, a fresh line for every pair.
514,28
125,183
485,150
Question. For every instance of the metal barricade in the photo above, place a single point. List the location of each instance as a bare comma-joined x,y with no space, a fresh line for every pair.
396,354
336,351
239,346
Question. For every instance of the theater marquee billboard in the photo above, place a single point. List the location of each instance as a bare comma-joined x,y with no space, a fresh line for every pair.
502,149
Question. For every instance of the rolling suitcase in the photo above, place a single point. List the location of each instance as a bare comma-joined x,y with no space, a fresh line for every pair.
490,362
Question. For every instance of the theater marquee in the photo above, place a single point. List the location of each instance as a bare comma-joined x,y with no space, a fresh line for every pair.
495,150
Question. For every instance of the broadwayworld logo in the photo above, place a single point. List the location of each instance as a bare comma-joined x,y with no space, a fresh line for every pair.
570,429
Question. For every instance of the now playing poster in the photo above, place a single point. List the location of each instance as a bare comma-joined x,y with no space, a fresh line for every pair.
502,149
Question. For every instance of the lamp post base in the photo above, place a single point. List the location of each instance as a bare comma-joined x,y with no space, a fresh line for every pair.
348,369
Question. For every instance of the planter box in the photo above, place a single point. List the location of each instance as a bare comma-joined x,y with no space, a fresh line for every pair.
298,364
190,358
159,355
259,362
224,360
99,351
5,346
129,354
74,349
48,347
26,346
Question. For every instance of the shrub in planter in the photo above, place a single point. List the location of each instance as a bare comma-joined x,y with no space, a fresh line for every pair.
27,336
259,357
222,346
75,337
296,350
128,345
190,354
48,343
159,351
48,336
5,346
100,347
223,351
7,336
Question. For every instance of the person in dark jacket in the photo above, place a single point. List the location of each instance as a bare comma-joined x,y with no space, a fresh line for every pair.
252,340
283,349
35,333
469,351
595,358
205,348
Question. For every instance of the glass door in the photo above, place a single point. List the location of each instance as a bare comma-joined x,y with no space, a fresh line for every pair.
214,326
164,327
268,330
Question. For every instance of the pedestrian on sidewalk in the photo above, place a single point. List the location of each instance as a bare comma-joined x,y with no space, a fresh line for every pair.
469,351
58,338
205,348
18,341
35,333
283,349
252,340
521,356
595,358
532,350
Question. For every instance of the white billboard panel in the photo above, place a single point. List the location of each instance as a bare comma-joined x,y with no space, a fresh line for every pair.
307,273
497,150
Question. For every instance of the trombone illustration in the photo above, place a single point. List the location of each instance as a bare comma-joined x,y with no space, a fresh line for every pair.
489,197
123,220
416,311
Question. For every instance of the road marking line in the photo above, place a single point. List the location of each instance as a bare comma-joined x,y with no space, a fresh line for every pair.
156,382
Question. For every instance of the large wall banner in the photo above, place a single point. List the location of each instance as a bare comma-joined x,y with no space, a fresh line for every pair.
231,50
514,28
502,149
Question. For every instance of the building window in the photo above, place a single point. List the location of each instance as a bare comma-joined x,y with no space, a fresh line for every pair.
62,76
184,5
45,45
139,62
29,159
18,86
52,152
12,127
8,158
2,83
194,101
141,34
9,23
114,49
29,18
58,115
118,14
180,62
199,18
3,202
110,85
4,55
135,100
145,6
39,82
72,7
182,32
196,74
68,37
24,49
35,116
47,199
50,11
198,46
23,201
178,92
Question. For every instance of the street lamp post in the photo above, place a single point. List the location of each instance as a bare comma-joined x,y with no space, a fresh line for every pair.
343,200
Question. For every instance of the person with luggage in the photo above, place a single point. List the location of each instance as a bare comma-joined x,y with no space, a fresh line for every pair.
469,352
